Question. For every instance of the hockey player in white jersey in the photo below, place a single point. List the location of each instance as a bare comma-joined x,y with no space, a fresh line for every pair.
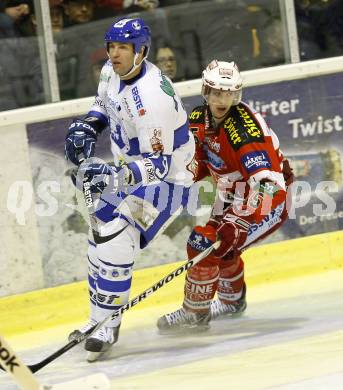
152,150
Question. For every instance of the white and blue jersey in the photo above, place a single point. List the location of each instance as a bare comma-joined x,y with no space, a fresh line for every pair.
149,132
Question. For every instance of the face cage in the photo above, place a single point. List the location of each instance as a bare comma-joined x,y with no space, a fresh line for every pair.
205,91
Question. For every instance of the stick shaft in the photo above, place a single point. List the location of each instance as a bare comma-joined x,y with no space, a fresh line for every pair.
133,302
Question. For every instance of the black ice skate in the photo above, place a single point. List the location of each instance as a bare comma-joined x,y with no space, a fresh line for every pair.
234,309
101,341
183,320
78,332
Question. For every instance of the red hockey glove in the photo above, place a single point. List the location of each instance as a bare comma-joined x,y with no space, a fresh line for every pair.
232,232
287,172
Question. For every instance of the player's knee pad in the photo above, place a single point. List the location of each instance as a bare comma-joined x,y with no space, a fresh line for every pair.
231,280
201,238
200,287
122,248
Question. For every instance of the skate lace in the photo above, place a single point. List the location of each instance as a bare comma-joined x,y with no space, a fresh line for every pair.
103,334
177,316
218,308
89,324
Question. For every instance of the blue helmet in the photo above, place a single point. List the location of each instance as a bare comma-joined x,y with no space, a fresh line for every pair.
133,31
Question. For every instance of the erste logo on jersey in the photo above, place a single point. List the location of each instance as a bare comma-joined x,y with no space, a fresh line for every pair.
256,160
138,101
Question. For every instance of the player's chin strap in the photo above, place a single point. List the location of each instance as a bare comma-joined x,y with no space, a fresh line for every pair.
133,302
135,66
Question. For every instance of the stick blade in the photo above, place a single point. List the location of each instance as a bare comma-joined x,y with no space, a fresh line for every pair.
92,382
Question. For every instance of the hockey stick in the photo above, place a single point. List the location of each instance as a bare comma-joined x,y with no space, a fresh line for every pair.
190,263
133,302
89,200
10,362
24,378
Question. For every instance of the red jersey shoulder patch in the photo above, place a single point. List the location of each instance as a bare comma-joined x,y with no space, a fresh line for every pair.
241,127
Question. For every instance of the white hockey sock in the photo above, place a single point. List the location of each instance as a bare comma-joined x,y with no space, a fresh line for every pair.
115,259
93,272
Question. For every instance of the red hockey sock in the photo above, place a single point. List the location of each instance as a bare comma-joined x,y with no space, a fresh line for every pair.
200,288
231,281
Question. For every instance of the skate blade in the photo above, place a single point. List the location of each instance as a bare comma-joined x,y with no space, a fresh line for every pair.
184,330
227,316
238,314
93,382
93,356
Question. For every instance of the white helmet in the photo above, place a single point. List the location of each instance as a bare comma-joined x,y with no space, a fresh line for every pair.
224,76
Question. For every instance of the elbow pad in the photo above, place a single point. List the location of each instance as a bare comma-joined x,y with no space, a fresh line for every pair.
152,168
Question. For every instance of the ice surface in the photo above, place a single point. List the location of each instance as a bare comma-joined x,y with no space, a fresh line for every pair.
291,337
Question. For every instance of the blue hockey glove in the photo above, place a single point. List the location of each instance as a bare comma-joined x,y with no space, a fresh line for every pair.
99,175
80,140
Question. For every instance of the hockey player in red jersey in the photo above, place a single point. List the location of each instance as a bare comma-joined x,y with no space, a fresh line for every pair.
236,147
